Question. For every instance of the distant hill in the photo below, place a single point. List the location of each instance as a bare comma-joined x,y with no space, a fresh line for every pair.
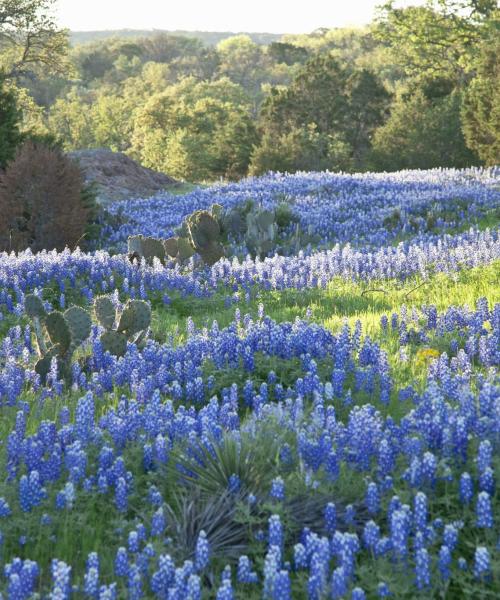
210,38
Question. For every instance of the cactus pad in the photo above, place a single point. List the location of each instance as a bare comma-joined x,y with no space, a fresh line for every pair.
80,324
171,247
114,342
33,306
185,249
152,248
136,316
212,252
58,330
203,229
42,367
134,244
105,311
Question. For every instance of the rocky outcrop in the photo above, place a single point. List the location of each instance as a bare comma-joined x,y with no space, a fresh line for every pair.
118,177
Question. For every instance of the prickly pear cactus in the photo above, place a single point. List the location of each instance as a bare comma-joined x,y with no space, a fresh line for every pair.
205,236
148,248
261,231
133,324
33,306
114,342
65,332
171,247
58,330
136,317
80,324
105,311
186,250
42,366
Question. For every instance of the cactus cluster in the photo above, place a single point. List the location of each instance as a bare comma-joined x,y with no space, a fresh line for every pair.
149,248
206,231
130,324
200,233
261,231
58,335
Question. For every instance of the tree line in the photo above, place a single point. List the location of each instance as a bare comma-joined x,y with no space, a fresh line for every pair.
417,88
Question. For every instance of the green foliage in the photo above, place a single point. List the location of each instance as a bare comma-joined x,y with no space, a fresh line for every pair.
437,39
422,134
324,120
30,40
481,107
10,119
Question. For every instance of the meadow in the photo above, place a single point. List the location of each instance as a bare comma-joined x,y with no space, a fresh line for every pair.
320,423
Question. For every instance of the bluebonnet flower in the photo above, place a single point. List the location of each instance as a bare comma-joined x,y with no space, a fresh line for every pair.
278,489
399,524
372,498
330,518
466,488
121,562
282,586
420,510
484,513
202,554
339,583
225,591
275,531
481,563
158,523
121,495
245,573
383,590
371,535
422,568
444,562
484,455
487,481
450,536
61,580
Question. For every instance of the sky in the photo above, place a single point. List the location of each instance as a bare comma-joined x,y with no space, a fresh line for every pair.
270,16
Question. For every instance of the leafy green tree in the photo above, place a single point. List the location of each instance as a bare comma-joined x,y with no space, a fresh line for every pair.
422,133
481,107
325,117
439,38
196,131
290,54
10,118
30,39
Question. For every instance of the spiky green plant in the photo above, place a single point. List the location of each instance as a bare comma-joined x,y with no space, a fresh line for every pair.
58,335
129,325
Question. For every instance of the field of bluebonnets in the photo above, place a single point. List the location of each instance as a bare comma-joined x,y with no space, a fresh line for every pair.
321,423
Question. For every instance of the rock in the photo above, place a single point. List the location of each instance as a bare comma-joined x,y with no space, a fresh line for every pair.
118,177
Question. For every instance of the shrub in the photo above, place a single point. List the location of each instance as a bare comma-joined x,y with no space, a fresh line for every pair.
41,200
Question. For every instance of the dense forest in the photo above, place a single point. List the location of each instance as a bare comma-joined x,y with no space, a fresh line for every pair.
417,88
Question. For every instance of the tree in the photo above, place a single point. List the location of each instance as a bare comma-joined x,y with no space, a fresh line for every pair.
437,39
422,134
30,39
323,120
10,118
196,131
481,107
41,201
290,54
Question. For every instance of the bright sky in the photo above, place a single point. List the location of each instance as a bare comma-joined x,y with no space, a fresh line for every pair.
271,16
